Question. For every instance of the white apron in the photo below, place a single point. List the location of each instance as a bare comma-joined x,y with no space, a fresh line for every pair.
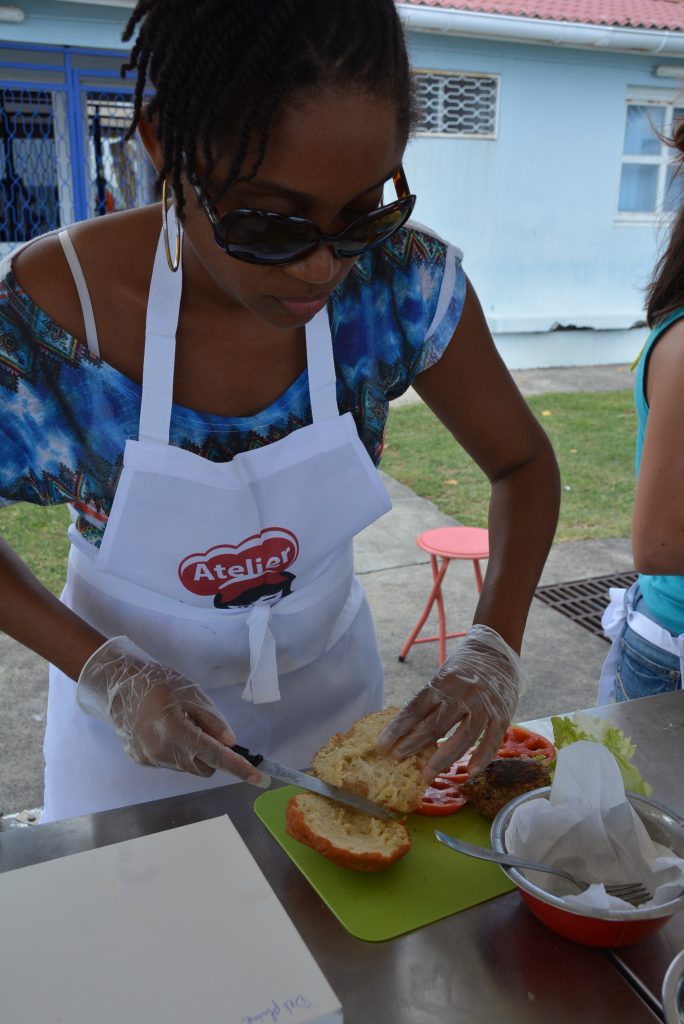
620,612
238,574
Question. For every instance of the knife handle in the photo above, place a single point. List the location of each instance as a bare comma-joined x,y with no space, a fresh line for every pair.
254,759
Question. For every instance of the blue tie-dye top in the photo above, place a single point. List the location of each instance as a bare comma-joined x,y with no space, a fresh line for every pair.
65,415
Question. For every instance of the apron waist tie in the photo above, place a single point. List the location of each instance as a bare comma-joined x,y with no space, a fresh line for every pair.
262,682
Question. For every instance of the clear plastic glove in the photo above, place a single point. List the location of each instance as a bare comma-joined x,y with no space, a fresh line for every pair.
162,717
472,697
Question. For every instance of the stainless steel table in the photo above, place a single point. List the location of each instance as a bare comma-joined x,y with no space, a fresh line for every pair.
492,962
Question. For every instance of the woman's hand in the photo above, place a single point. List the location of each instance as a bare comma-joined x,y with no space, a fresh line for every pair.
164,719
473,697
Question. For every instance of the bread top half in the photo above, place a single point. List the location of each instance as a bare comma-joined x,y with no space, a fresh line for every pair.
349,760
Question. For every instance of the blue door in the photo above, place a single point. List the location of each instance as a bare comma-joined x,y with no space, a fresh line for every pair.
63,153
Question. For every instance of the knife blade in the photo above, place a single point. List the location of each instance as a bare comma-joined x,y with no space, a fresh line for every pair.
314,785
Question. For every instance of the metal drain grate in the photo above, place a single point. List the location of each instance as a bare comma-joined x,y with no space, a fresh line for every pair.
584,601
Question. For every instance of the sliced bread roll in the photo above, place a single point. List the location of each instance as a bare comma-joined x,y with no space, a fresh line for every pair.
349,760
347,837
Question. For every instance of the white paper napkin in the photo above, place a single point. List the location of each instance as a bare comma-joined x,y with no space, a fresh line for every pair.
588,827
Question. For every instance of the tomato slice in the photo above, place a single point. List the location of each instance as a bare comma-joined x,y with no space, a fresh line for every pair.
521,742
445,794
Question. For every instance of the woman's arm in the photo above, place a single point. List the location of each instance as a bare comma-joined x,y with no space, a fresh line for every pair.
474,396
473,696
163,718
658,521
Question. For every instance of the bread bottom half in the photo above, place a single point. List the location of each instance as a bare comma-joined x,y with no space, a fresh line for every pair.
347,837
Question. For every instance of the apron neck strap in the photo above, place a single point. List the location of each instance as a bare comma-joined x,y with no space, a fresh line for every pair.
163,308
321,367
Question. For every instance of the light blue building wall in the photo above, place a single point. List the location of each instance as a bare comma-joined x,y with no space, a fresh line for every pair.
65,23
536,210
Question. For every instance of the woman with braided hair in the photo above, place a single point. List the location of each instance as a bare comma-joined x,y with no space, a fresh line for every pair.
206,382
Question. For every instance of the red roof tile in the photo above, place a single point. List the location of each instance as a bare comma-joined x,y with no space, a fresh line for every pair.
655,14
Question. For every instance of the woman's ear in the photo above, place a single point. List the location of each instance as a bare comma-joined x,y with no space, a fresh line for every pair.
147,130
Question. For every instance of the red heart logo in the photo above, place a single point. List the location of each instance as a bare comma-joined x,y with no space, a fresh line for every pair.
227,567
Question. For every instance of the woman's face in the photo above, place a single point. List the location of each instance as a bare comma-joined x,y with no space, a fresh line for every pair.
327,159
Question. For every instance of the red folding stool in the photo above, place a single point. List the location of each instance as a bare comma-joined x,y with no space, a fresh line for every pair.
447,543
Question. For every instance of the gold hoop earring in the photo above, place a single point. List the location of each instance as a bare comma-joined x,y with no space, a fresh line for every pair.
174,264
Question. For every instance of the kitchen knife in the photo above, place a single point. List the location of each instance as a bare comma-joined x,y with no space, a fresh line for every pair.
314,785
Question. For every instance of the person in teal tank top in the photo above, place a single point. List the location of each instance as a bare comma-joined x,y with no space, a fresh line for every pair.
650,647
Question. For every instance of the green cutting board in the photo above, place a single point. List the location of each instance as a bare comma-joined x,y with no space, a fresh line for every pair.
429,883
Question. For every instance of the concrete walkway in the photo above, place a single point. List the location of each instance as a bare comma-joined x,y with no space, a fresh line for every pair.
562,658
560,379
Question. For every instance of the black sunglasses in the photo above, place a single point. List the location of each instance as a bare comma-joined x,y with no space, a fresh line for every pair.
258,236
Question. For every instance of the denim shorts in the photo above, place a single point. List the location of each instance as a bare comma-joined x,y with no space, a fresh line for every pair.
643,669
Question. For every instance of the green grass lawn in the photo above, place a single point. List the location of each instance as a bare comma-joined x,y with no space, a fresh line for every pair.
593,435
38,535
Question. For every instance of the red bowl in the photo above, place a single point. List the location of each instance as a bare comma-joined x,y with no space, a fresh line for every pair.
597,927
591,931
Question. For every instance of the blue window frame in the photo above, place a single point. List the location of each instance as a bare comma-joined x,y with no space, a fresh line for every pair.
64,113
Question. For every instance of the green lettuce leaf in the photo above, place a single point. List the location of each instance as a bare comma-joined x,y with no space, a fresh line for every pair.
582,726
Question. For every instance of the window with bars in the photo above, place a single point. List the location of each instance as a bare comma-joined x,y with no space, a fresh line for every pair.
648,186
64,155
456,103
36,173
120,174
31,139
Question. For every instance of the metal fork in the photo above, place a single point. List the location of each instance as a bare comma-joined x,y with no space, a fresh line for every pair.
635,893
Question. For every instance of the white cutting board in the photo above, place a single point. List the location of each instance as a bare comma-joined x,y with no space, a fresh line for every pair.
180,927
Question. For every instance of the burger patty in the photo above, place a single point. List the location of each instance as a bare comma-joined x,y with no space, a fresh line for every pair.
503,779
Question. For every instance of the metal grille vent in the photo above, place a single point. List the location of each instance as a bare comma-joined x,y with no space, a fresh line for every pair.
457,104
584,601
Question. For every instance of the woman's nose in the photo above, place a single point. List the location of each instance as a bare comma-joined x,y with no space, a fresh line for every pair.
320,267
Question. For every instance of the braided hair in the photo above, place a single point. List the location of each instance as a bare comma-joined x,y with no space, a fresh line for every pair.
223,69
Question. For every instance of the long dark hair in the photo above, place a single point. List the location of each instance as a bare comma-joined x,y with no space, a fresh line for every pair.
223,68
665,293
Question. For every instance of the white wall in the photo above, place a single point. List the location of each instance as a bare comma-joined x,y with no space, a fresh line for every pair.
535,210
